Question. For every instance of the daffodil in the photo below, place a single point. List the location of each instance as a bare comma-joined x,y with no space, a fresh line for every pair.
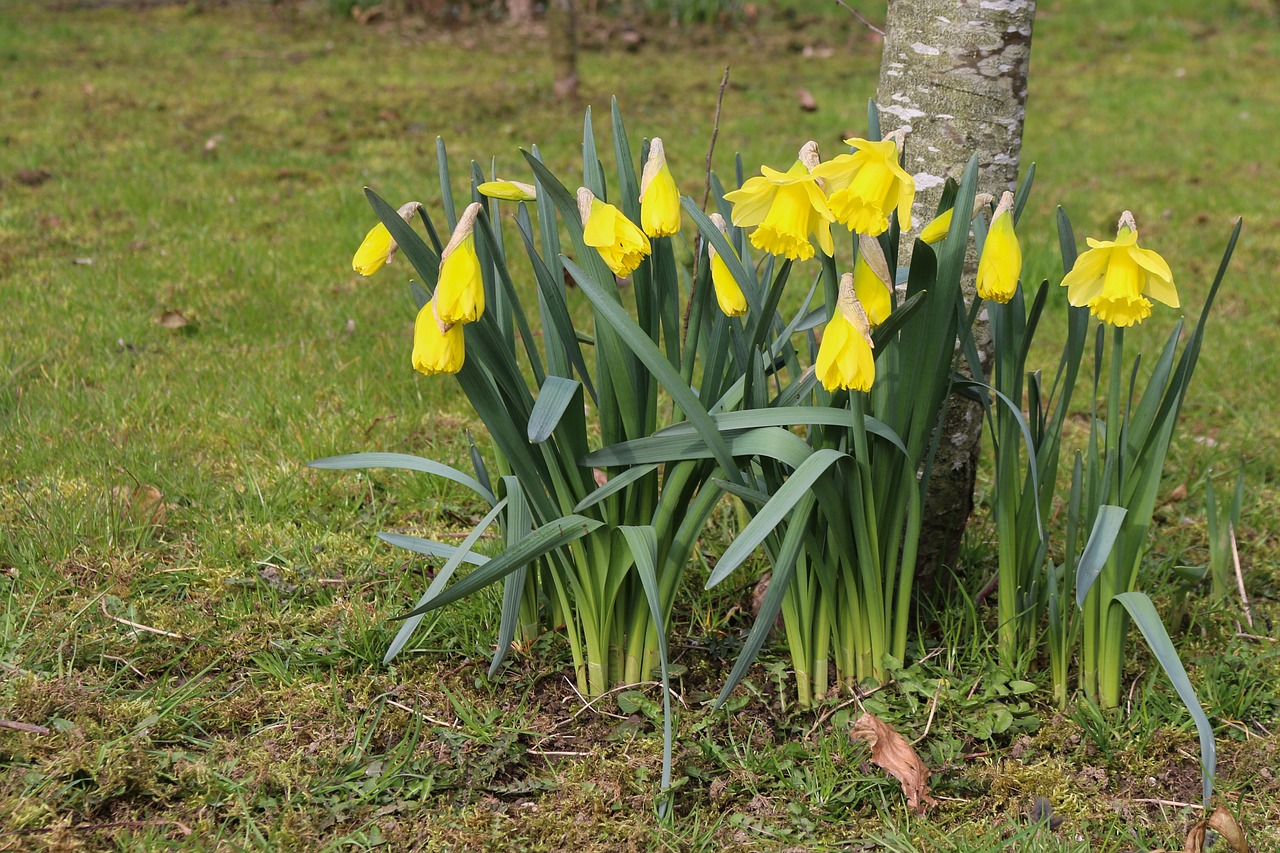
619,241
437,345
1001,261
845,359
865,186
788,207
508,190
732,301
460,290
659,197
1114,278
871,281
379,247
937,229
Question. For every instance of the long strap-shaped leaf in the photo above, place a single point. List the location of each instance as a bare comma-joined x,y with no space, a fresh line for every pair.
405,462
771,514
1153,631
519,523
556,395
546,538
431,548
774,442
1101,539
789,416
437,584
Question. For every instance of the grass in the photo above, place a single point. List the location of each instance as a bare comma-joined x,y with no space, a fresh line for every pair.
207,665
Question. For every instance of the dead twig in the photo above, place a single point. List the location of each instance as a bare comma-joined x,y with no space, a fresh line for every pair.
858,15
29,728
1235,558
136,625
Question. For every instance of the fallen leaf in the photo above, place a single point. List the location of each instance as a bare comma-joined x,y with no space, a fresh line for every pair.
806,99
891,752
172,320
32,177
1179,493
1223,823
142,504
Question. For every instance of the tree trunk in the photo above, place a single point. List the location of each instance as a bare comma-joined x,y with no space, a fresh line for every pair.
564,48
955,73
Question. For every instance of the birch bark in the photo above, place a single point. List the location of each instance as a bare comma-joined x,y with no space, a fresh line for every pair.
955,73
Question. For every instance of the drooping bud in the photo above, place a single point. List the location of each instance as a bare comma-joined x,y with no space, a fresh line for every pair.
460,294
508,190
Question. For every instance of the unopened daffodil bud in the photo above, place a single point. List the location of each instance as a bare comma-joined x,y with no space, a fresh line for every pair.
789,208
937,230
621,244
659,197
845,357
872,283
1114,278
1001,261
378,247
729,295
508,190
864,187
460,291
437,346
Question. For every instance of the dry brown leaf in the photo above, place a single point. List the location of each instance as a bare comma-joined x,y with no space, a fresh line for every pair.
891,752
142,504
1223,823
172,320
806,99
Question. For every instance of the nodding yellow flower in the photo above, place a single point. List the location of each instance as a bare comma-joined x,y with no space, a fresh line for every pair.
437,345
659,197
460,291
937,230
1115,278
619,241
378,247
871,281
788,206
1001,261
729,295
508,190
845,359
863,187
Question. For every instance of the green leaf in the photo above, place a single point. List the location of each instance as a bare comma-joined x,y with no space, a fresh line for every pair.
431,548
615,485
548,537
784,500
773,442
402,461
1101,539
519,523
554,398
1153,631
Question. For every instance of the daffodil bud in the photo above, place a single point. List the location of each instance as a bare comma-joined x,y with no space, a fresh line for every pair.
438,347
1001,261
872,282
508,190
937,230
659,196
378,247
621,244
845,357
460,290
729,295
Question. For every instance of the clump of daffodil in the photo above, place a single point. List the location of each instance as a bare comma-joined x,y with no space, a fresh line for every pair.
788,207
865,186
845,359
729,295
871,280
659,197
437,345
619,241
378,247
1001,261
937,229
1114,278
508,190
460,291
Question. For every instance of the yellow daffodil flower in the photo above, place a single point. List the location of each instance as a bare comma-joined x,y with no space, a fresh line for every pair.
460,290
378,247
1115,278
659,197
863,187
437,345
732,301
1001,261
845,359
508,190
619,241
937,229
788,207
871,281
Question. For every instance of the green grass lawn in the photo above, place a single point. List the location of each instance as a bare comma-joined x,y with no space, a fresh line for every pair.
203,667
